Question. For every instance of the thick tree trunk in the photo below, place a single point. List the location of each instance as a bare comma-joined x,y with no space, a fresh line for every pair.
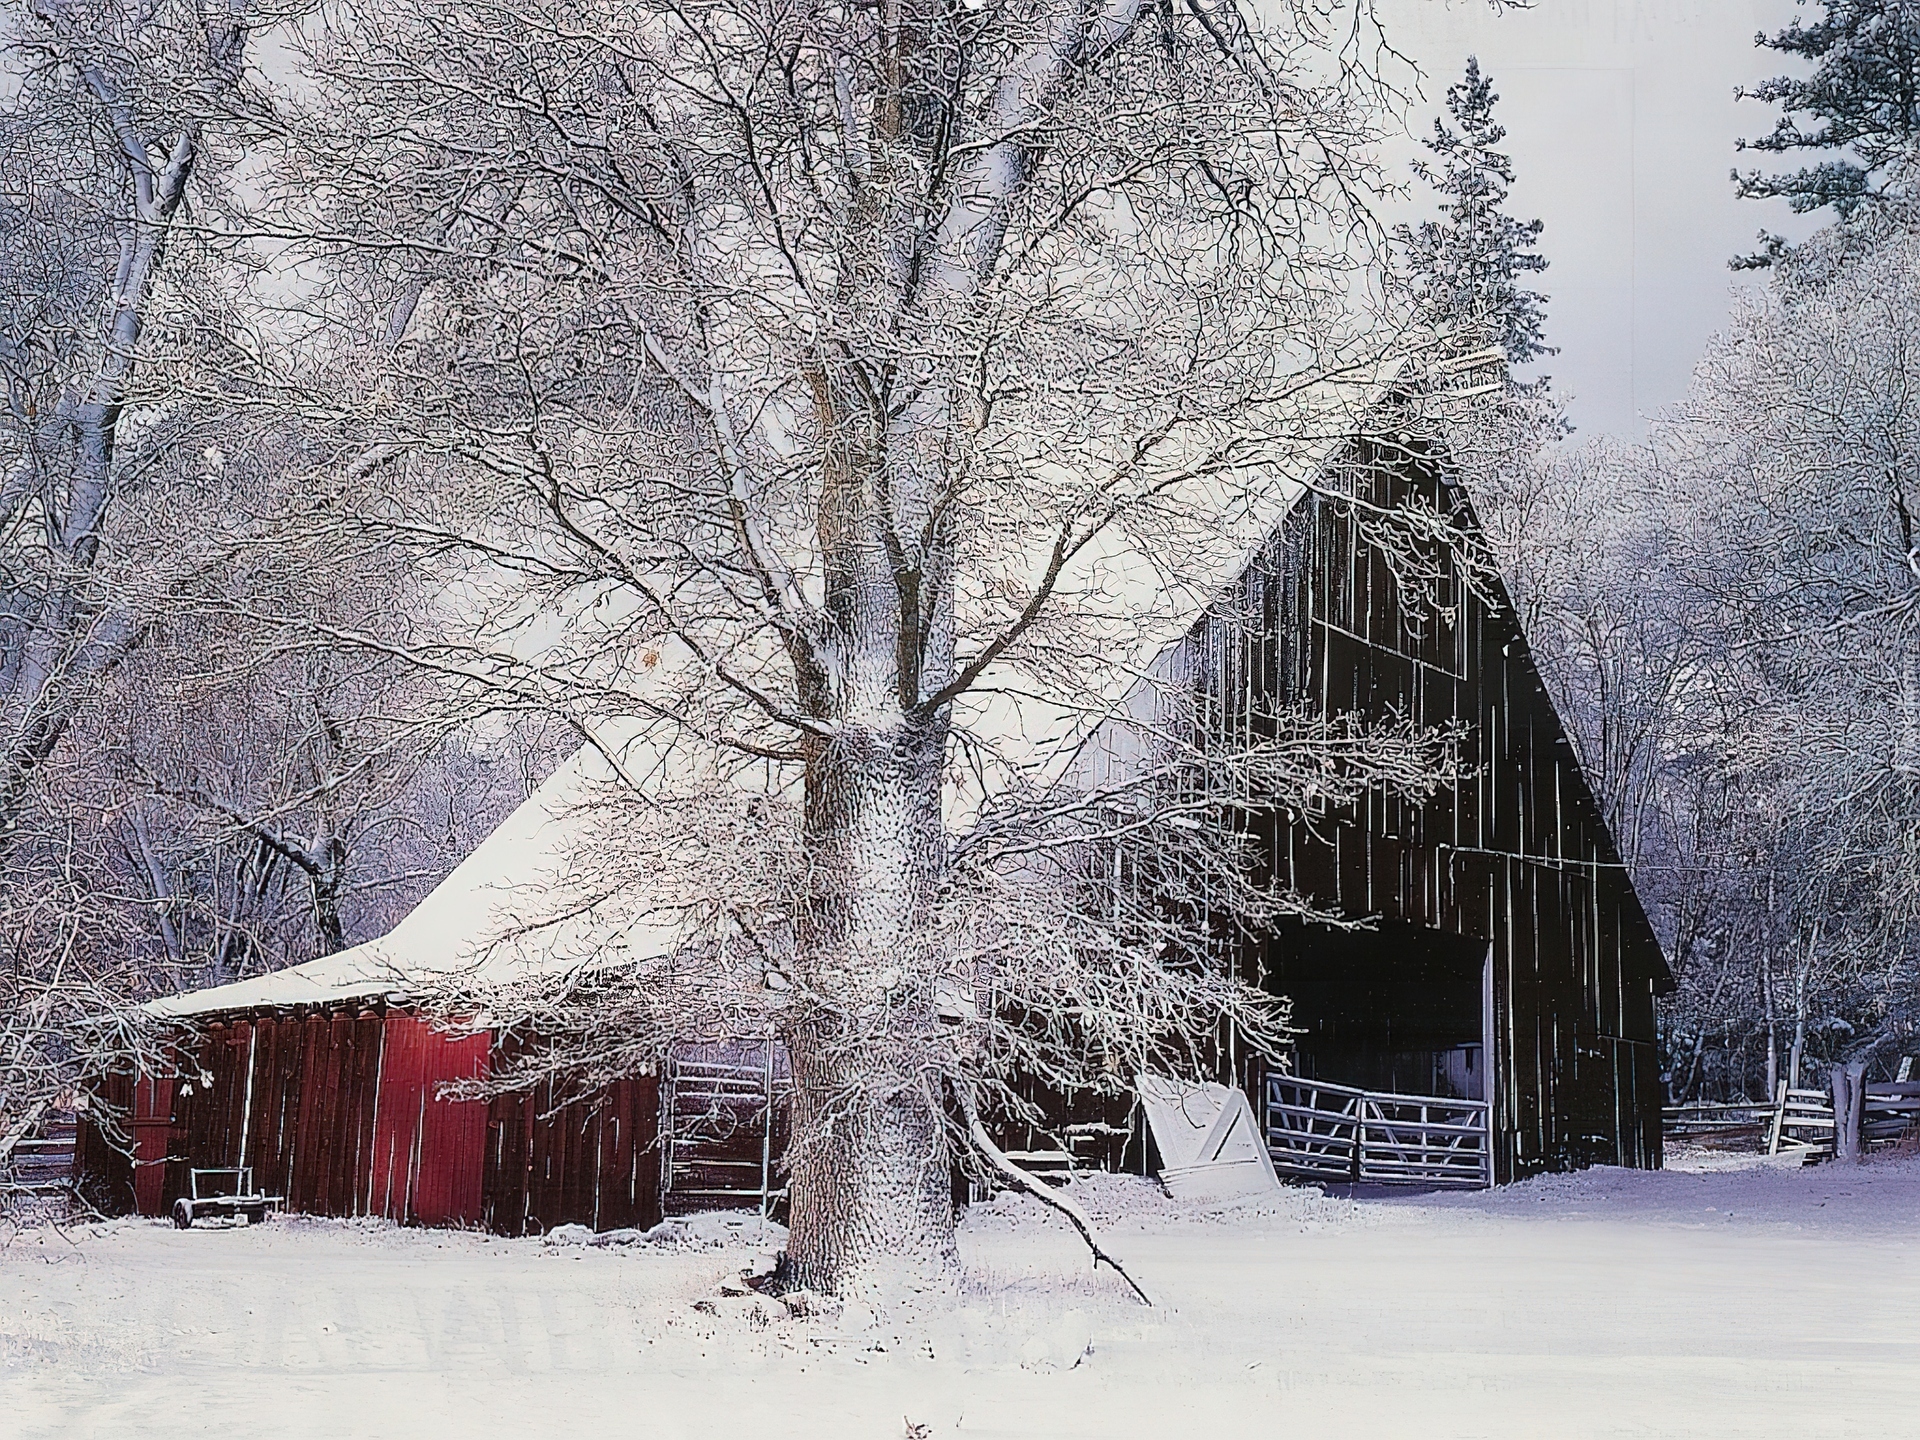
869,1168
872,1200
328,878
1773,1033
326,914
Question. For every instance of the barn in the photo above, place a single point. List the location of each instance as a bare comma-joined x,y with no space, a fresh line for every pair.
326,1079
1492,1018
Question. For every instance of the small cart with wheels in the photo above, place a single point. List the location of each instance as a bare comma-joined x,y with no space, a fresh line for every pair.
222,1192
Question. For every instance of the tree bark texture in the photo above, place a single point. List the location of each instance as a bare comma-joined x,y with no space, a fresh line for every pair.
872,1200
871,1196
870,1170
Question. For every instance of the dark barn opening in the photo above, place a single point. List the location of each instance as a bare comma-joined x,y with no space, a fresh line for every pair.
1399,1008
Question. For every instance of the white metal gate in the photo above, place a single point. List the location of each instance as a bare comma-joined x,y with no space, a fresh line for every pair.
722,1126
1334,1132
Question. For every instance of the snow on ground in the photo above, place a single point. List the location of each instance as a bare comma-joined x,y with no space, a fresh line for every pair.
1701,1301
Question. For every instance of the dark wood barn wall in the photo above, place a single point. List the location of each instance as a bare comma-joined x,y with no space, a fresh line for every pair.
594,1163
1519,857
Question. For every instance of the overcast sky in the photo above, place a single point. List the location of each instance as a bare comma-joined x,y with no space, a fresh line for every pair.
1622,122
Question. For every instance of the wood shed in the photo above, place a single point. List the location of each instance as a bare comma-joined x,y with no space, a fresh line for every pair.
338,1112
328,1081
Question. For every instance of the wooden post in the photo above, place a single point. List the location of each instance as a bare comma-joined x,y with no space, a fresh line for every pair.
1359,1136
1844,1140
1849,1097
669,1084
1856,1108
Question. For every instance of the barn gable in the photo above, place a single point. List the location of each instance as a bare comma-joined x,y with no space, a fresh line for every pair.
1508,940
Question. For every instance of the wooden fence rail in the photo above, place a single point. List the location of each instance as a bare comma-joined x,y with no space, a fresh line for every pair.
1741,1125
1890,1113
1334,1132
1802,1120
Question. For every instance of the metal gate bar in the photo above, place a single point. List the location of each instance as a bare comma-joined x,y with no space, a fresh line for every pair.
722,1110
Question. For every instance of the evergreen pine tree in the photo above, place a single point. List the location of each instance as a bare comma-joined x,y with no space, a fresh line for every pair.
1466,267
1863,98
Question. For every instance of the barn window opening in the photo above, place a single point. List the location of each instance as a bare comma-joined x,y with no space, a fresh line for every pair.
1398,1009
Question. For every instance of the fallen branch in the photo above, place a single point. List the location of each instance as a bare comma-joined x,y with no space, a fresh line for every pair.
1040,1191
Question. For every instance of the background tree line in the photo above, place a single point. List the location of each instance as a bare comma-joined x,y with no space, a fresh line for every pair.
1727,614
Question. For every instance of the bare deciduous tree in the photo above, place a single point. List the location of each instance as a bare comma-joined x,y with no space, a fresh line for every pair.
108,115
102,147
860,399
1728,617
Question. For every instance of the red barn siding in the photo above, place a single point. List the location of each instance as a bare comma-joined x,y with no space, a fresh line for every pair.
427,1152
340,1114
338,1072
152,1126
593,1163
103,1172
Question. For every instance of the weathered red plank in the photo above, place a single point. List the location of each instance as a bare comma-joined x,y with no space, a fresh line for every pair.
453,1146
396,1119
368,1033
152,1125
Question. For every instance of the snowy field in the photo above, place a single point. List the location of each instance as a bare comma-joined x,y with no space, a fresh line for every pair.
1702,1301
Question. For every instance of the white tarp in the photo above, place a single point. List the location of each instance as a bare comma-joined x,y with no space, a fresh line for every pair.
1210,1144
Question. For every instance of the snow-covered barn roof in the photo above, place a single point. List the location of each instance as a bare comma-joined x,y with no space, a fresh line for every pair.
488,922
1134,601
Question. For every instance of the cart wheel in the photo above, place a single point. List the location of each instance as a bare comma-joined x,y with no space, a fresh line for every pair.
254,1217
182,1215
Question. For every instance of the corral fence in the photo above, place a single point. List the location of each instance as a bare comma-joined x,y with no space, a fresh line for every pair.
1333,1132
1797,1122
36,1152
